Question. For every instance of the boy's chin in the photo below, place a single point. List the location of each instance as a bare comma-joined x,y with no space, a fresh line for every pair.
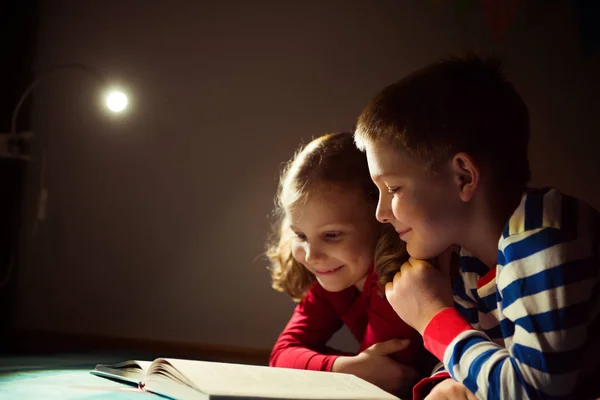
420,252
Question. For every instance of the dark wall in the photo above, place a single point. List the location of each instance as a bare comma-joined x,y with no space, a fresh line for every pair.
156,221
18,25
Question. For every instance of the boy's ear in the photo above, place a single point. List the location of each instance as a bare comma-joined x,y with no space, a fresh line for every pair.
466,175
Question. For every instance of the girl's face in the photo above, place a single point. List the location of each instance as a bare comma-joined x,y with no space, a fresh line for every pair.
335,233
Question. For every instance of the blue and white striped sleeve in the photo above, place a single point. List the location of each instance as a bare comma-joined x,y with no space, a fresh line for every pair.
547,293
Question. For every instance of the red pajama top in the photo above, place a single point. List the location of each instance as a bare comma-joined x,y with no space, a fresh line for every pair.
367,314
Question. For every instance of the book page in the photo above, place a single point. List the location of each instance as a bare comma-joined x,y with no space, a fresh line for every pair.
131,371
223,379
144,365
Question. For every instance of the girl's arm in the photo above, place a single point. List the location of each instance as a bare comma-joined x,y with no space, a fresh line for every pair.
303,342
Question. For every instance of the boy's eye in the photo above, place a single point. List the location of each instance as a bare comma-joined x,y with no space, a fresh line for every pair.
392,190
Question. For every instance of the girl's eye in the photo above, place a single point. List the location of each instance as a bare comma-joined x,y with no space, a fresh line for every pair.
300,236
332,235
392,190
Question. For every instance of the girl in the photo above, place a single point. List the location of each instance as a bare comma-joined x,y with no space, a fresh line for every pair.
332,257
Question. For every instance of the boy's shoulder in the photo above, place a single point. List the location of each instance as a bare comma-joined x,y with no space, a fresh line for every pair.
542,208
546,218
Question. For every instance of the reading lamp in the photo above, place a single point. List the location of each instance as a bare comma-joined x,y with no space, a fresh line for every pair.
16,145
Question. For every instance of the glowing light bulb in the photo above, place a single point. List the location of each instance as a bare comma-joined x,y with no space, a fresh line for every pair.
116,101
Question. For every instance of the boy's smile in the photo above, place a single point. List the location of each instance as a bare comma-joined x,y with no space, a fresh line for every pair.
424,208
403,233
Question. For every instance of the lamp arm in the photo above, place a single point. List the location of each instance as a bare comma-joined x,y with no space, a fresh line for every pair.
93,72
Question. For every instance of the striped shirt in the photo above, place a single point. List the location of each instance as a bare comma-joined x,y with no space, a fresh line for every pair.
533,326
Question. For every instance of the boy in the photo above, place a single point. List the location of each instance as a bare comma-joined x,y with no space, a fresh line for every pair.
447,148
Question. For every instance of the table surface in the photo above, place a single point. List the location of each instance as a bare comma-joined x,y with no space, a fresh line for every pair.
65,377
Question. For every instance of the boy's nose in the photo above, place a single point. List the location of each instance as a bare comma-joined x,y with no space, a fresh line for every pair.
383,212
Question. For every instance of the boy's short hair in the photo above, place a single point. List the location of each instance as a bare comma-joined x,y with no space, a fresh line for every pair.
459,104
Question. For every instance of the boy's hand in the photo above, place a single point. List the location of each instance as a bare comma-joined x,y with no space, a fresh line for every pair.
449,390
419,291
374,365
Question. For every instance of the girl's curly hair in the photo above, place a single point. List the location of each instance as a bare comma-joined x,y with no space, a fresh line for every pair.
331,159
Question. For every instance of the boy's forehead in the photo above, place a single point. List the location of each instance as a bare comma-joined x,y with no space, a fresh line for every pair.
385,159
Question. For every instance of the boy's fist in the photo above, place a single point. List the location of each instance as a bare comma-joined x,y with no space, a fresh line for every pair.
419,291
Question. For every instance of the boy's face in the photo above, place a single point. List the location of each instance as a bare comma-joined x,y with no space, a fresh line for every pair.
425,209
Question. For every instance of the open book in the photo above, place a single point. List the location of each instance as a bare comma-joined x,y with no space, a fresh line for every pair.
187,379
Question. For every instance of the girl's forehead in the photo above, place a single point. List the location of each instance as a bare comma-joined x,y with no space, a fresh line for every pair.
324,207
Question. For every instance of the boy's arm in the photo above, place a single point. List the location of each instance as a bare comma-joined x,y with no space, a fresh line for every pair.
467,307
424,386
302,344
545,287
